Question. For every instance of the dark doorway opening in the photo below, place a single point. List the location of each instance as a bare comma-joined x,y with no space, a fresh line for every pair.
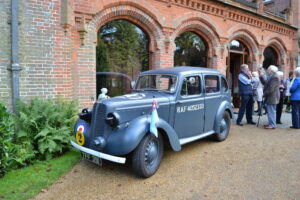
271,57
238,55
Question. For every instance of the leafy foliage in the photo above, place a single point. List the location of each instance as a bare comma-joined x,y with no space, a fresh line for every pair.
6,139
122,47
45,127
190,50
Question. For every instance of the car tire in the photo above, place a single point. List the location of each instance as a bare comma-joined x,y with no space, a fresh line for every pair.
224,128
147,156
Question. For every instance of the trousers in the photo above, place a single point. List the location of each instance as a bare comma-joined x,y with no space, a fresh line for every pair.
296,113
271,113
246,105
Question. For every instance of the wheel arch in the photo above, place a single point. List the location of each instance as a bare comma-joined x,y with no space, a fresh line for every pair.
224,106
125,140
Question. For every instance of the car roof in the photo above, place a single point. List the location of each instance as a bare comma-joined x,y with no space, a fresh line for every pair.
181,70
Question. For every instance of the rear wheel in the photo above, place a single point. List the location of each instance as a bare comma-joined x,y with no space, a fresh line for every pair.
224,128
147,156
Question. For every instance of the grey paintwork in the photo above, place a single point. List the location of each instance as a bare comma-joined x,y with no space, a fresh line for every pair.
134,114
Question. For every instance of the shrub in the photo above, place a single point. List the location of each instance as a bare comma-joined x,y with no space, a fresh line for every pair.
6,140
45,127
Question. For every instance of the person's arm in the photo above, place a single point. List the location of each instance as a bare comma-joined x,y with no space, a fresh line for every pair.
295,85
262,79
245,80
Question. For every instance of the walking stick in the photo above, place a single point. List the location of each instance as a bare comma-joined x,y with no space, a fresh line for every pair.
258,120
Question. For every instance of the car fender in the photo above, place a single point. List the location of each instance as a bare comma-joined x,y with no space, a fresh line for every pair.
125,139
225,105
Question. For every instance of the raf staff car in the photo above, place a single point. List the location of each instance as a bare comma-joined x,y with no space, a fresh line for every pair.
193,103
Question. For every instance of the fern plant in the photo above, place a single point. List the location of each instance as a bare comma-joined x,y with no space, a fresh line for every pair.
47,124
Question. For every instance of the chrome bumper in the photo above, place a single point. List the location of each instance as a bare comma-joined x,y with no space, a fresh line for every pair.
99,154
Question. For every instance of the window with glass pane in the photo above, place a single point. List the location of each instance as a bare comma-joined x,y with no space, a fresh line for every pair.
165,83
212,84
224,85
191,86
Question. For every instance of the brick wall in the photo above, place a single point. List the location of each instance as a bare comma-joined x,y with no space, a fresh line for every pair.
57,52
5,84
44,51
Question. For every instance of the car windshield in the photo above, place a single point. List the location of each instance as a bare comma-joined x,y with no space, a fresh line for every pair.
160,82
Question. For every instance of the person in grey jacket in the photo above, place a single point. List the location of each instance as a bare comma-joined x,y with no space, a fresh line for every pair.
271,95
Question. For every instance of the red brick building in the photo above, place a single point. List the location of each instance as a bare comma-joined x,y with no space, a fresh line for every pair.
57,38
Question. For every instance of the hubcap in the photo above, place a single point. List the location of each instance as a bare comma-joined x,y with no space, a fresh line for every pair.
223,127
151,152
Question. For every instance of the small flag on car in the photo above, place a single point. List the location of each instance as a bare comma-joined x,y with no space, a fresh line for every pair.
154,118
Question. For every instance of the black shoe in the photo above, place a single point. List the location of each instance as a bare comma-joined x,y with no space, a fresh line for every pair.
278,122
294,127
252,123
240,124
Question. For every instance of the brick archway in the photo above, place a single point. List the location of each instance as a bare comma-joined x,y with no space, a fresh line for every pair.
278,45
86,65
134,14
204,31
249,41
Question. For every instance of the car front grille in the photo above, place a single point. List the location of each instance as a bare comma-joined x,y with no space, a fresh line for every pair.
98,120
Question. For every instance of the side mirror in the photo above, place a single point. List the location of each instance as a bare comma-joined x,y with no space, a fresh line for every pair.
132,84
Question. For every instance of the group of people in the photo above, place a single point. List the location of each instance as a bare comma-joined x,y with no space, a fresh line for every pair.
270,90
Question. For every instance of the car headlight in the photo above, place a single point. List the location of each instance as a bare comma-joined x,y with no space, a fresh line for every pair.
86,115
113,119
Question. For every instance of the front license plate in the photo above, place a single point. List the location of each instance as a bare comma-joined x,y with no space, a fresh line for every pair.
91,158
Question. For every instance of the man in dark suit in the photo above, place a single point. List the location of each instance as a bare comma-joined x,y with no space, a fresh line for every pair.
246,93
271,95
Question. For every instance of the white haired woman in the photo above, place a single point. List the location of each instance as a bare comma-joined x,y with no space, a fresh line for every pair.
282,88
271,95
295,100
258,91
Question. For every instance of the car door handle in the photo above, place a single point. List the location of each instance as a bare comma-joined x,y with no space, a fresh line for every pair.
179,102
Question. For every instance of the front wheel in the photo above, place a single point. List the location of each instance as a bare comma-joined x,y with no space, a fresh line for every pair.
224,128
147,156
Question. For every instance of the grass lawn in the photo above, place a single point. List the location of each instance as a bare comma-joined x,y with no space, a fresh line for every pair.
27,182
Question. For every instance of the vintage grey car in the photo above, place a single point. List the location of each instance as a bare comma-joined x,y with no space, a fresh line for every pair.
193,103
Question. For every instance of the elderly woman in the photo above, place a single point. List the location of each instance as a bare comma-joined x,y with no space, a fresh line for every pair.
279,107
258,91
288,82
271,95
295,100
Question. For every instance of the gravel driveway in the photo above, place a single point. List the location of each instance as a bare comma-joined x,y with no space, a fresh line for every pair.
252,163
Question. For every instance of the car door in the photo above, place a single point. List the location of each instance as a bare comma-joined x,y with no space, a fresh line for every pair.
213,99
189,108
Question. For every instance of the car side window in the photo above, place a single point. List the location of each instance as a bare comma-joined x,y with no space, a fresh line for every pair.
224,85
212,84
191,86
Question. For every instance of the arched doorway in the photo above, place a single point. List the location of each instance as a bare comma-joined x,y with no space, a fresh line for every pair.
238,55
122,52
191,50
271,57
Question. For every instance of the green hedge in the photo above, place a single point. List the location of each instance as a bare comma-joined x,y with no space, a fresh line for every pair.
44,128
